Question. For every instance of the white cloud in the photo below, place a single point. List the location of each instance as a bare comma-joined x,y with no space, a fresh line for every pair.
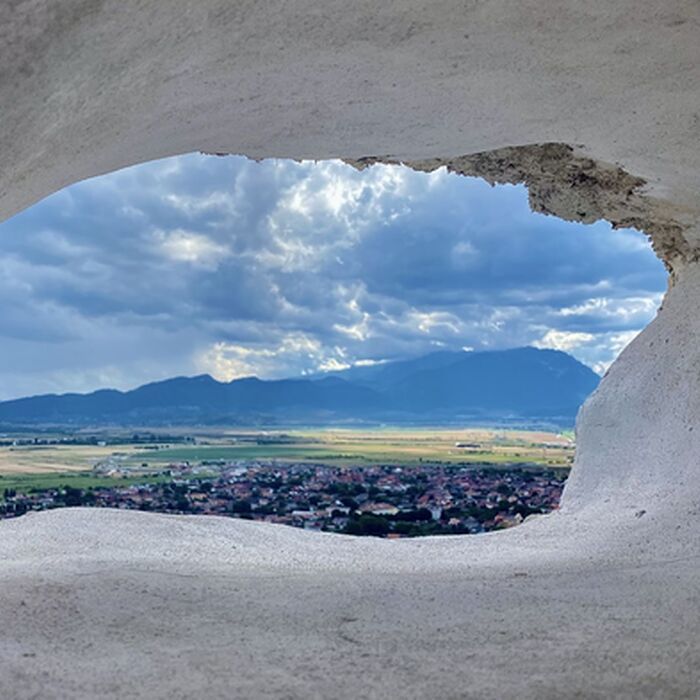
429,322
563,340
368,363
333,364
598,350
186,246
622,309
295,354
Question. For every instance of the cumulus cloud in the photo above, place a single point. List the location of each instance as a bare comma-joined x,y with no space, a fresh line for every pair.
183,246
222,265
563,340
227,361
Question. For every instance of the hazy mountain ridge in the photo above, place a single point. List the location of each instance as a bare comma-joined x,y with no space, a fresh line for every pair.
524,384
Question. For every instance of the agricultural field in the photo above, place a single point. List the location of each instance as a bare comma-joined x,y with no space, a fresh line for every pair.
29,467
49,459
26,483
403,447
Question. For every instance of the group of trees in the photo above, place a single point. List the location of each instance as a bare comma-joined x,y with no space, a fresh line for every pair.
378,526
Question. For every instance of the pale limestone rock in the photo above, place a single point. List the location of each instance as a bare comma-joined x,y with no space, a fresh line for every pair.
595,106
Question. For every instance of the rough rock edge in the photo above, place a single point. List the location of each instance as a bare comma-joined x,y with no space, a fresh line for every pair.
573,187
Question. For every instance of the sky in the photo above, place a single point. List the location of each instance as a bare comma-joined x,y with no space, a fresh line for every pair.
221,265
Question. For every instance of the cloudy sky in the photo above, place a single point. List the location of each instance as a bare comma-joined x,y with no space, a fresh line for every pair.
221,265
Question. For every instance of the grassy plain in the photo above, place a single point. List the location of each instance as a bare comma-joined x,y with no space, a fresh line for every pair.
25,483
404,447
56,458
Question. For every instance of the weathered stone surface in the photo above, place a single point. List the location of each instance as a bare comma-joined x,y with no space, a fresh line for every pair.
595,106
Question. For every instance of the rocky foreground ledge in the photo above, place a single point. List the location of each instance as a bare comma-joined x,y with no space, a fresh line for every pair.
122,604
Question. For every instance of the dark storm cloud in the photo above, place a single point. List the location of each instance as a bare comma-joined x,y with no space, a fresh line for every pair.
232,267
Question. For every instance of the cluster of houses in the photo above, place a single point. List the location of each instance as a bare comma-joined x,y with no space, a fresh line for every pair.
385,500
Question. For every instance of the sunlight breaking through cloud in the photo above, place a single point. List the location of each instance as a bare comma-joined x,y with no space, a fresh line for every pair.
222,265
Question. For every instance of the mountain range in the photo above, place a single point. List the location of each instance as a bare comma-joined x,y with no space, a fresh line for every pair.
522,385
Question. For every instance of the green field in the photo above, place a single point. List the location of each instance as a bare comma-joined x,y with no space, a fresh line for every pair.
25,483
349,455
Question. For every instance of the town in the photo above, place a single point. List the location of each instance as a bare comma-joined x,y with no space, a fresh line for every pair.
379,500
